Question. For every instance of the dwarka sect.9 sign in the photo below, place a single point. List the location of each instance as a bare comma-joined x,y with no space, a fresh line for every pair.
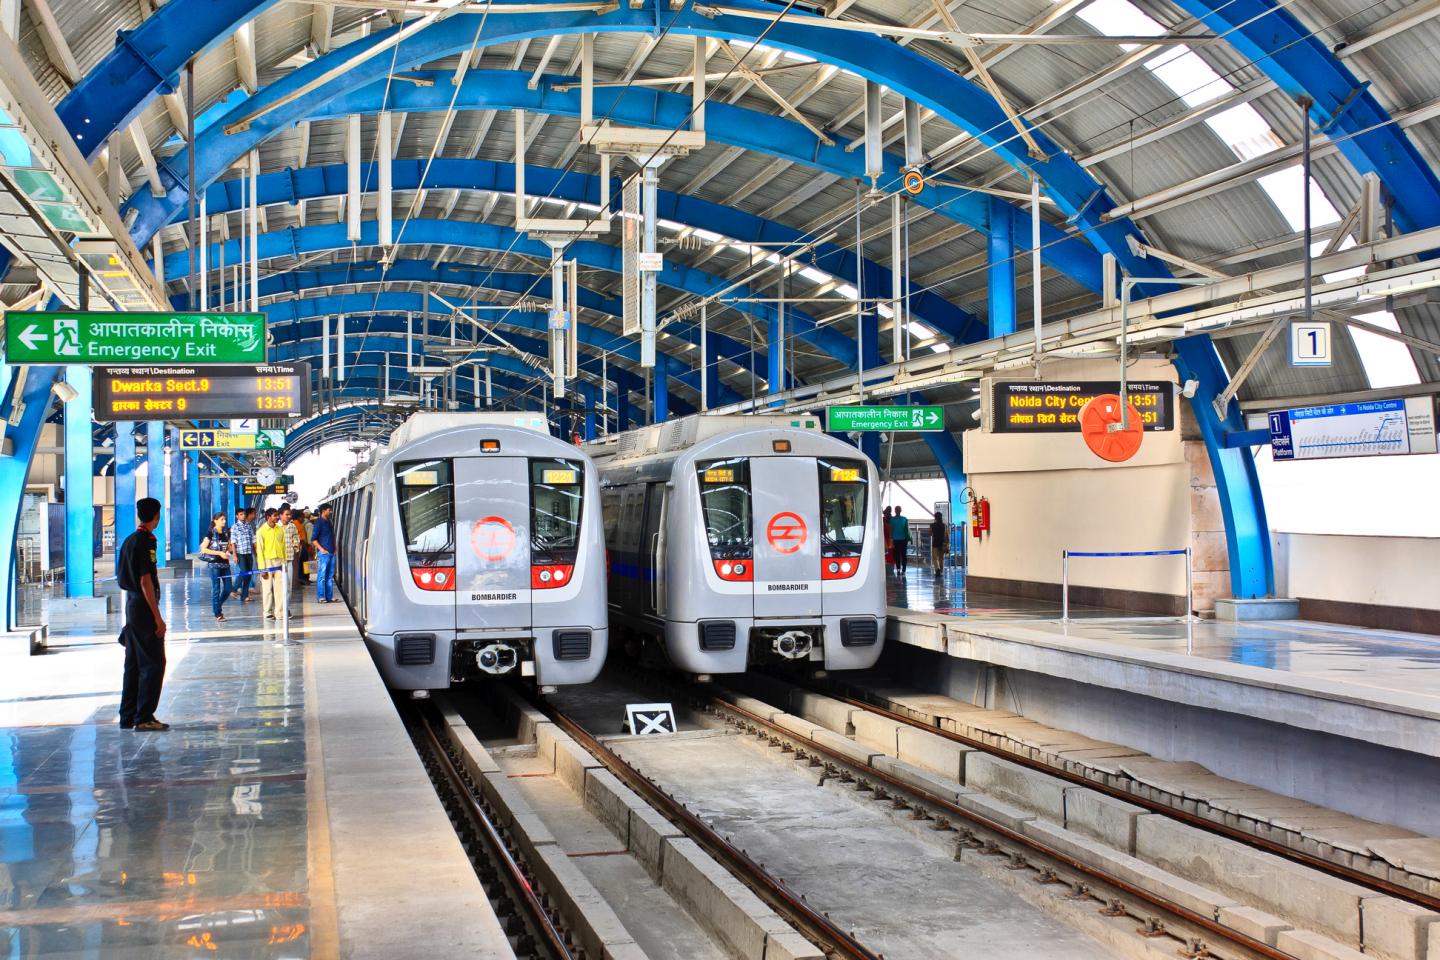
272,391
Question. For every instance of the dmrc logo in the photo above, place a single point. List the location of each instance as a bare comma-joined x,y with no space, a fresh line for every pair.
786,532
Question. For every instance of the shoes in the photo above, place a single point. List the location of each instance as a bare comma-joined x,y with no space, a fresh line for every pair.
127,726
219,618
152,725
270,618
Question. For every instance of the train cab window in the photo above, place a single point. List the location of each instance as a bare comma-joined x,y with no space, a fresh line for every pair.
725,505
557,489
426,493
843,485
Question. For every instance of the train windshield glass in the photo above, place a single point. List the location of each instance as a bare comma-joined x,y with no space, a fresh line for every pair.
842,506
557,488
725,503
426,493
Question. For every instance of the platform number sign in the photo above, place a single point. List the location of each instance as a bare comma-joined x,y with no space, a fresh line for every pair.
647,719
1310,343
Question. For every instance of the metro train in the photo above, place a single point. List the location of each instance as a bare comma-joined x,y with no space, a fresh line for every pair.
736,540
474,546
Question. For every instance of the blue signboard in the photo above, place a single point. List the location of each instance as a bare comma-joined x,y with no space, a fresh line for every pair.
1369,429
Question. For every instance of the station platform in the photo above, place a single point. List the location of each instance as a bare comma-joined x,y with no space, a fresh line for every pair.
285,814
1297,694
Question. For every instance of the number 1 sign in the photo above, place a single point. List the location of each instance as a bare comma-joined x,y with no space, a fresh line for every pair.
1310,343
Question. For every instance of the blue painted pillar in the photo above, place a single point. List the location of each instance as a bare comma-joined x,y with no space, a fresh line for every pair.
775,356
34,397
1247,532
622,410
870,341
79,486
660,393
124,471
711,373
177,503
197,514
590,426
155,484
1000,249
870,446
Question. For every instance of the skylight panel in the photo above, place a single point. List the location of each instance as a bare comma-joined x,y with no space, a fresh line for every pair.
814,274
709,236
1388,363
1284,188
1120,18
1245,131
1189,77
848,291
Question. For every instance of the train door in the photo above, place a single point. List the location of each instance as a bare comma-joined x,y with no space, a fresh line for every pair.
652,550
787,536
492,543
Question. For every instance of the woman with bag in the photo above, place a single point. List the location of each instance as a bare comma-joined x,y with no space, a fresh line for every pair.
217,552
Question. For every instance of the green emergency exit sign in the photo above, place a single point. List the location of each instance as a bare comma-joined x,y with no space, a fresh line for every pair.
887,419
141,339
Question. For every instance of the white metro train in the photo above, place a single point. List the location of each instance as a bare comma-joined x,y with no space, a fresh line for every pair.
742,539
474,546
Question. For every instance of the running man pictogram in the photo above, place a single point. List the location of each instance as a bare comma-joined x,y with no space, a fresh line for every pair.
492,538
786,532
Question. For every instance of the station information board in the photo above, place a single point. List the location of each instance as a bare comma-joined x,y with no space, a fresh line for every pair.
87,337
1029,406
1375,428
260,490
276,390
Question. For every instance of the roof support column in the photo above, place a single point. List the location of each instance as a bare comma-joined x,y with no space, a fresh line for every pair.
659,394
1001,268
775,375
125,464
79,488
30,386
1247,532
197,520
155,483
622,410
176,502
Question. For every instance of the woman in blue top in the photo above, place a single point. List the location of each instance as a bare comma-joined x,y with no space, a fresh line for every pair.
217,551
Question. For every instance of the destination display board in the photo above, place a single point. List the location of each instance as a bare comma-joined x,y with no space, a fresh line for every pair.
260,490
1377,428
277,390
1029,406
157,339
884,419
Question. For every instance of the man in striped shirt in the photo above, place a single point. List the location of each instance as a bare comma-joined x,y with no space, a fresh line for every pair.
242,537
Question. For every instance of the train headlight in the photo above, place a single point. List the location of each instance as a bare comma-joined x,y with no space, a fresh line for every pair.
739,569
726,569
544,576
834,567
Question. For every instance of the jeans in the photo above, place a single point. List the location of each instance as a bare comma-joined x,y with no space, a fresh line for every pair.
244,564
325,576
144,663
902,555
219,586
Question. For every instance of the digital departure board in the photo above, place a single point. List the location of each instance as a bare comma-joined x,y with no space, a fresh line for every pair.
1029,406
275,390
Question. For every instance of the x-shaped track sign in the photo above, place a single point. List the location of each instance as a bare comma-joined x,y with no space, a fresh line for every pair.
645,719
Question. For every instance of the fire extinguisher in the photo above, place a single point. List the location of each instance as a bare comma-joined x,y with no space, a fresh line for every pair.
979,516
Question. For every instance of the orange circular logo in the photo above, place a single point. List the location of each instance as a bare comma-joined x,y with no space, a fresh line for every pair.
786,532
492,538
914,182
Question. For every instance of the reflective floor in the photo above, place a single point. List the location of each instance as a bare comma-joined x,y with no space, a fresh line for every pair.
1383,661
180,844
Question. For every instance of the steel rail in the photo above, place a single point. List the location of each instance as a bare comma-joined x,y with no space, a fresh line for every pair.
1208,924
812,923
521,887
1300,857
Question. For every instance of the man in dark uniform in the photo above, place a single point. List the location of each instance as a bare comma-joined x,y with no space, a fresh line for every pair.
144,632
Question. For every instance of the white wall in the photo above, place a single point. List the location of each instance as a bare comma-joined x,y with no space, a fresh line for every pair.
1388,571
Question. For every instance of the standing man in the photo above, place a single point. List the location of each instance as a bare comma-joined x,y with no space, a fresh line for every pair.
269,554
242,538
939,542
302,550
900,537
144,632
293,549
323,537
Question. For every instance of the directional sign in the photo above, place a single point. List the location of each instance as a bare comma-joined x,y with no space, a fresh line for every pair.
230,440
885,419
1376,428
146,338
1310,343
272,390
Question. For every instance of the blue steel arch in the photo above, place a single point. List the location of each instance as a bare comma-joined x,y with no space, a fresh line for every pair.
1074,191
316,238
310,183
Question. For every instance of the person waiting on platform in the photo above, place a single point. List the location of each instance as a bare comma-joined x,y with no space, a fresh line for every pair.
270,555
144,632
293,550
939,542
302,550
885,534
242,538
900,537
217,550
323,537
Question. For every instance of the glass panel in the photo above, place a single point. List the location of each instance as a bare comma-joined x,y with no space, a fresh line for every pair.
426,493
725,504
843,485
557,489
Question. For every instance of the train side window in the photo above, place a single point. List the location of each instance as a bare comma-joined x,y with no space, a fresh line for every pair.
628,536
610,510
843,486
557,489
426,494
725,504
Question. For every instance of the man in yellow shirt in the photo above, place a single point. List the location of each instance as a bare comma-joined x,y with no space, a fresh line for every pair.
270,552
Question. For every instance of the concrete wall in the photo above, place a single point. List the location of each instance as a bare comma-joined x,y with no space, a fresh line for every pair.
1388,571
1048,493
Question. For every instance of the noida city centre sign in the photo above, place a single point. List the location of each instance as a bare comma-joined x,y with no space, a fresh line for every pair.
886,419
150,339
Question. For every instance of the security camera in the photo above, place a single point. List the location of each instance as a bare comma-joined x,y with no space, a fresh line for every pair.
64,391
975,414
1189,388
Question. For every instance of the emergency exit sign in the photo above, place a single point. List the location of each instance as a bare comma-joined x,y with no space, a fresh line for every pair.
148,339
887,419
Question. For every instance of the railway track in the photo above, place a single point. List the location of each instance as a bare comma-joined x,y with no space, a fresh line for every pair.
533,932
1320,864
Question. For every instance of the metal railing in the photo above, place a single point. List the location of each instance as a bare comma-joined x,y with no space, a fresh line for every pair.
1065,556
